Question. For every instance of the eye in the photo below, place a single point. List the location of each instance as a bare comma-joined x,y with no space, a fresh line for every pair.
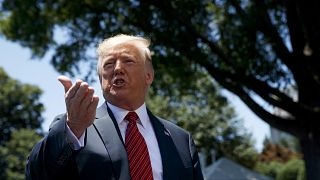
129,61
108,64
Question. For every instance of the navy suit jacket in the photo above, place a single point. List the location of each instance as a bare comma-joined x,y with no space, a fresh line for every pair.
104,155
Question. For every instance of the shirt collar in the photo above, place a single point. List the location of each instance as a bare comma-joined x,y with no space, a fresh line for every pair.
120,114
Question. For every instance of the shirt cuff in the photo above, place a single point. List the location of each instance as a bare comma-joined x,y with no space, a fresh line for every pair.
76,143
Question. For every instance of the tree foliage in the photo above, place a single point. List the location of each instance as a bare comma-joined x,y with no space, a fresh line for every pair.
275,152
19,106
270,169
14,153
293,169
255,49
280,162
209,117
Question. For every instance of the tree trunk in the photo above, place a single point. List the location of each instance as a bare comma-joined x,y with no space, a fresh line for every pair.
309,96
310,146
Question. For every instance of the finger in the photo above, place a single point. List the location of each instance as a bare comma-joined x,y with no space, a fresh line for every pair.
94,103
66,82
88,98
80,95
73,90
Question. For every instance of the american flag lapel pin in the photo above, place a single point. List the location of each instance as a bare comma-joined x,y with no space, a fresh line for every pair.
166,133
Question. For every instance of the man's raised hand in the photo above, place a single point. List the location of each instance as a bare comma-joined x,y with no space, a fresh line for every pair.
81,104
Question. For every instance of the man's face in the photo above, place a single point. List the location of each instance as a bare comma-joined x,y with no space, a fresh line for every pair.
125,76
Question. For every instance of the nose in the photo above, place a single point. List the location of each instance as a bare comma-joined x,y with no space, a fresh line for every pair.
118,69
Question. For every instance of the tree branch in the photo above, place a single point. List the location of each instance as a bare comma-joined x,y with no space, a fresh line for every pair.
274,38
237,83
288,125
269,94
183,20
265,25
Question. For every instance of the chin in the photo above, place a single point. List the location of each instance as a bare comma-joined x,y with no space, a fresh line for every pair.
118,96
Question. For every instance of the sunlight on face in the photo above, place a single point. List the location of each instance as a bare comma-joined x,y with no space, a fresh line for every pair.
125,76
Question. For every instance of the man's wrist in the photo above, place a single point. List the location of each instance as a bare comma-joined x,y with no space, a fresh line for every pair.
76,143
76,129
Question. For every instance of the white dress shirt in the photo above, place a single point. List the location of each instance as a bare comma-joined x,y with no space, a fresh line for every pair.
146,129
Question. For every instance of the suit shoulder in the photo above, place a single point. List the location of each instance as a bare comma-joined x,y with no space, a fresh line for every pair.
173,127
57,119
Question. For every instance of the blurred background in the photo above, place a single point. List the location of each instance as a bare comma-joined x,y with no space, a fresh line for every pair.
242,76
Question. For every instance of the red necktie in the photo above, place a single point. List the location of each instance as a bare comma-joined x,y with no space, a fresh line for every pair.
138,156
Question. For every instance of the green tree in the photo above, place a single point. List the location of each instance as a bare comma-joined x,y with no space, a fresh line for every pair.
280,162
19,108
292,170
209,118
15,152
255,49
270,169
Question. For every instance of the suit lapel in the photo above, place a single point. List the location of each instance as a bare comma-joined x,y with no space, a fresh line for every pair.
109,132
171,162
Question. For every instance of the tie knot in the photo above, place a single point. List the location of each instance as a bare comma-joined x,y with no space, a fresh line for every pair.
132,117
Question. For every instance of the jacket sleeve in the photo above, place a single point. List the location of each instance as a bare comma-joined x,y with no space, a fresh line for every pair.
197,172
52,156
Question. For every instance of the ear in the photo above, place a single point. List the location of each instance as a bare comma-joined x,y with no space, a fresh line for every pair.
149,77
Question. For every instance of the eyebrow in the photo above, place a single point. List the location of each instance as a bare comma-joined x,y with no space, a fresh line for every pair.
122,54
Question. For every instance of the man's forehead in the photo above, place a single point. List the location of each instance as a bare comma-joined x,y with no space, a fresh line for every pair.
120,51
123,50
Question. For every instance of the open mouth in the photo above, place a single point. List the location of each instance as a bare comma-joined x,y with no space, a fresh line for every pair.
118,83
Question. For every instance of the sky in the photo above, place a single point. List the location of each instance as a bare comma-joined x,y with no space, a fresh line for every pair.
17,62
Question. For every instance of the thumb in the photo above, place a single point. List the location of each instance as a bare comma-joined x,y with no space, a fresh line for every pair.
66,82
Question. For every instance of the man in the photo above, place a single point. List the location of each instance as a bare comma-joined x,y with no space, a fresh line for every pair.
122,139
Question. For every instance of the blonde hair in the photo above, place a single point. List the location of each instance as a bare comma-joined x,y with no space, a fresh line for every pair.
140,42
